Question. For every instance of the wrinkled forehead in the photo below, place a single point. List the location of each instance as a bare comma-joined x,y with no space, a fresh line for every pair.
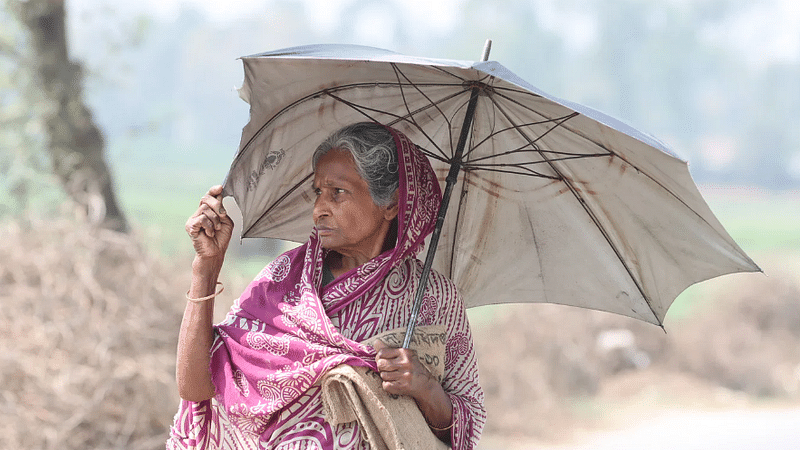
337,167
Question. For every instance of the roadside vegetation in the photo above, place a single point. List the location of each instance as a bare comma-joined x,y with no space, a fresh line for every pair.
90,320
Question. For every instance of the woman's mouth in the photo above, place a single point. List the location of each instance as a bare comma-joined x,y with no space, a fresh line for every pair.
324,231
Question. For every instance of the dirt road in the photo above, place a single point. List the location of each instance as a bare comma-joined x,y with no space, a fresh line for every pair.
741,429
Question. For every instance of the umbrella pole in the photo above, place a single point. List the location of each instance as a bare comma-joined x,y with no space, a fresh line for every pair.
452,178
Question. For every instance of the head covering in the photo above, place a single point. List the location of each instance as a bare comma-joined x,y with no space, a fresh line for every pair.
278,339
419,197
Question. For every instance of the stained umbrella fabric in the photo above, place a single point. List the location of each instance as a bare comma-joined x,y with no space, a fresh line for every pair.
555,202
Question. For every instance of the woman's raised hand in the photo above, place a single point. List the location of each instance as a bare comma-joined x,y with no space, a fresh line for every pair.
210,227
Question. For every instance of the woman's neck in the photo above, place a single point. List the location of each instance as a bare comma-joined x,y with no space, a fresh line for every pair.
340,264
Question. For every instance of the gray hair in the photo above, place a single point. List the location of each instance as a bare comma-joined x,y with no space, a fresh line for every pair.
375,154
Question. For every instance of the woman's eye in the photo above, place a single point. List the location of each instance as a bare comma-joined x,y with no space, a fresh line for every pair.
317,192
340,191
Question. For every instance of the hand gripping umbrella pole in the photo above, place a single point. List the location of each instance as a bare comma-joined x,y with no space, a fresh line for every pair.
452,177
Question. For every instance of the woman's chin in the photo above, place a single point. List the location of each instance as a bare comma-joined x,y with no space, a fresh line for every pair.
327,242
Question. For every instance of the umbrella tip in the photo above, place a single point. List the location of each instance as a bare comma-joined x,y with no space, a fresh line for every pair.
487,47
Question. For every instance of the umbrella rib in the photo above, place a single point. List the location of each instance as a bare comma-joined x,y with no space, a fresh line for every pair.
278,201
502,90
538,150
498,132
457,222
535,147
524,171
398,118
398,73
589,212
327,92
430,154
578,133
361,109
650,177
612,153
532,143
344,87
566,157
557,123
538,256
524,165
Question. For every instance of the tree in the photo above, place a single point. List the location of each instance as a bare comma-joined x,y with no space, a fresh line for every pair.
75,143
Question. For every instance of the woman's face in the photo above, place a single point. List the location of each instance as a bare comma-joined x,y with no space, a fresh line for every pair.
346,218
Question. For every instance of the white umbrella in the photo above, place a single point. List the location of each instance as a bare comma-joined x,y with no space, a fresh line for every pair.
552,201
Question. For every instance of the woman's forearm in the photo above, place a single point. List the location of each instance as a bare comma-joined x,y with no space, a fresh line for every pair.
196,336
437,408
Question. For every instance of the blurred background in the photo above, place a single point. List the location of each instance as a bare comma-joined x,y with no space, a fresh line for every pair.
115,118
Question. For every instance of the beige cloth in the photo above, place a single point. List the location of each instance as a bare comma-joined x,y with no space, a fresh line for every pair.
387,422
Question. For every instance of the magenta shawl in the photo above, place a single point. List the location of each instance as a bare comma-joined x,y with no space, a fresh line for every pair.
285,332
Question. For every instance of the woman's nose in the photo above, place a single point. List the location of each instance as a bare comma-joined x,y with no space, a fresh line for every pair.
320,208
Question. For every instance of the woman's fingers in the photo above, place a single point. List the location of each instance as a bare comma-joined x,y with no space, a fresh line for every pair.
398,370
209,215
214,199
194,226
395,382
389,358
209,222
211,206
391,376
214,203
201,222
215,190
210,227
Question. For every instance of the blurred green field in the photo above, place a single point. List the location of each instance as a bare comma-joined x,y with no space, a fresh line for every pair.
765,224
761,221
159,198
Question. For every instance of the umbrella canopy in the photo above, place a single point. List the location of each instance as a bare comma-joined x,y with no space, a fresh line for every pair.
555,202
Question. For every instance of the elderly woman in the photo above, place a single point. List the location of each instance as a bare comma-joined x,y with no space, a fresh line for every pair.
308,311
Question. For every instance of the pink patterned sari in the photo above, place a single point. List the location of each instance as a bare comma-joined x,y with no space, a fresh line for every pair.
286,331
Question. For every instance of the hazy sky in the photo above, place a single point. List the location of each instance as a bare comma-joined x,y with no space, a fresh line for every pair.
433,14
764,31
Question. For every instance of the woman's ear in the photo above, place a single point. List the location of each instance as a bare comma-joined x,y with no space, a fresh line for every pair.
390,212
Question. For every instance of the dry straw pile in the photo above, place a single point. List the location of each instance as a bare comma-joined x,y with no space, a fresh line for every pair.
89,328
90,320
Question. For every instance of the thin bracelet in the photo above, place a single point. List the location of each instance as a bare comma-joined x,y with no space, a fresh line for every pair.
207,297
440,429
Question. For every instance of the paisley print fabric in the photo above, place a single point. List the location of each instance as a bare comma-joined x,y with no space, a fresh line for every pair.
286,331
